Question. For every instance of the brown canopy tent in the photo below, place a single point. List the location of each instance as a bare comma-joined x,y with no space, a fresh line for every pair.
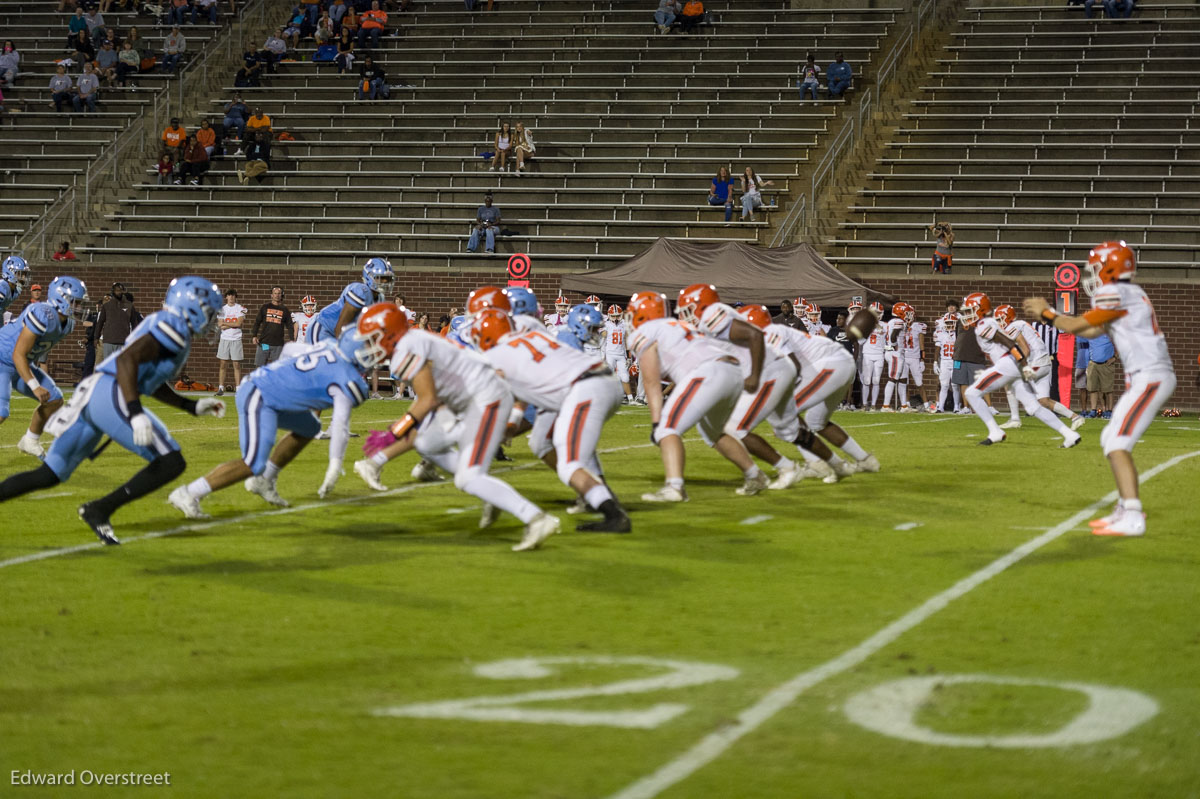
741,273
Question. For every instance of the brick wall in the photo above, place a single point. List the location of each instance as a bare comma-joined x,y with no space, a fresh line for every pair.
435,292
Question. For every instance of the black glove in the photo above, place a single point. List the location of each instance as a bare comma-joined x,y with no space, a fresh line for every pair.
653,428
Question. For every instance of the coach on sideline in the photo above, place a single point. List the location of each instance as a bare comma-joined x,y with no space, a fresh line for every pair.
271,328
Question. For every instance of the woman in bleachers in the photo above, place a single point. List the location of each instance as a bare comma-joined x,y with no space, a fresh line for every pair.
504,145
345,53
81,44
523,146
129,61
752,186
943,255
721,192
10,63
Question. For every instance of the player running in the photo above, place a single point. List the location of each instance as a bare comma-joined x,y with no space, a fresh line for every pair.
1122,309
14,277
613,348
1041,364
26,340
109,403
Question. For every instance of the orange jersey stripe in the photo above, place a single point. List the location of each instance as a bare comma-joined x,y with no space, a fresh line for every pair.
684,399
812,387
987,381
1139,407
484,436
756,407
578,419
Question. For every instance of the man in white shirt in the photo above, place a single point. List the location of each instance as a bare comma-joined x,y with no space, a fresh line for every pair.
229,347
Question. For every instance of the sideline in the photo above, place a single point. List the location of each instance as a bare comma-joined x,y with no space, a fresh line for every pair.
713,745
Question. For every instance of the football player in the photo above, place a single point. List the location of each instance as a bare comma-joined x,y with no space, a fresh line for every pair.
1040,363
28,339
708,383
595,302
897,368
943,338
108,403
913,352
562,307
375,286
302,319
811,317
1122,309
612,345
871,368
524,309
456,421
288,394
1009,367
579,389
14,276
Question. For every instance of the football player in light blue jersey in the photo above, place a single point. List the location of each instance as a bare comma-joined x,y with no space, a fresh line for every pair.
26,340
14,276
584,326
375,286
108,403
288,394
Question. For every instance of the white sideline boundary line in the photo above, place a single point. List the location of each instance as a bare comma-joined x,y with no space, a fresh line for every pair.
713,745
208,525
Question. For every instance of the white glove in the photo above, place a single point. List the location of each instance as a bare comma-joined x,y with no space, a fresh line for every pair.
920,367
937,370
143,430
1028,374
331,477
211,406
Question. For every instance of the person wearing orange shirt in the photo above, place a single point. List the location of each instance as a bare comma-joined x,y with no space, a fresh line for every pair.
372,25
207,137
259,122
693,15
173,138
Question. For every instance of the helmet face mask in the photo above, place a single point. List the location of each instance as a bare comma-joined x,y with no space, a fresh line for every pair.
197,300
974,306
615,312
309,304
877,309
586,323
489,327
950,321
16,271
380,327
561,304
1107,263
379,276
1005,314
693,300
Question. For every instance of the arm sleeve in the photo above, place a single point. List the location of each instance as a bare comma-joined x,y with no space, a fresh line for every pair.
339,425
1098,317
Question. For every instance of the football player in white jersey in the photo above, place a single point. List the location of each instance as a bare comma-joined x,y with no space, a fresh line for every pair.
871,368
897,368
595,302
612,345
578,387
1009,367
1040,362
913,352
810,315
708,383
456,421
1122,309
304,317
562,306
944,338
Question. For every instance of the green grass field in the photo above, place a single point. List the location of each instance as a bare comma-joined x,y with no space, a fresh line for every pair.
731,647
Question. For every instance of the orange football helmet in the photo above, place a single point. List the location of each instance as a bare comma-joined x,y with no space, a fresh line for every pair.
561,304
757,315
380,325
1006,314
812,311
950,321
877,309
974,306
900,309
853,308
491,325
487,297
693,300
309,304
1108,263
615,312
594,301
644,306
910,312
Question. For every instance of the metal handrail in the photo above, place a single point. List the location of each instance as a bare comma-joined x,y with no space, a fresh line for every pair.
797,215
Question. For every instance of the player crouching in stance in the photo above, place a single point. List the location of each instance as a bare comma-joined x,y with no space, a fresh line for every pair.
1009,367
576,387
708,383
29,338
1125,312
107,403
288,394
457,420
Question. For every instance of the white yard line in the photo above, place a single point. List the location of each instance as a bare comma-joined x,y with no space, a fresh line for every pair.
713,745
756,519
208,525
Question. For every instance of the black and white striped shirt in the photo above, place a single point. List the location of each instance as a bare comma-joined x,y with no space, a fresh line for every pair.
1049,334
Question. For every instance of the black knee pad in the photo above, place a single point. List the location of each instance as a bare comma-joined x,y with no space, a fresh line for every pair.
170,466
806,439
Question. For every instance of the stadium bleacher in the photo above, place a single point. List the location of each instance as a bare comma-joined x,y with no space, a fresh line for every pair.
1038,133
630,128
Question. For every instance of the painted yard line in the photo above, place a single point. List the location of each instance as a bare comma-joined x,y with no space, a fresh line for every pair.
893,424
55,495
208,525
169,430
715,744
756,519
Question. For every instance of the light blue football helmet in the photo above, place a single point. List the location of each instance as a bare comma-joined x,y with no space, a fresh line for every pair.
523,301
358,349
16,271
378,275
586,323
195,299
66,294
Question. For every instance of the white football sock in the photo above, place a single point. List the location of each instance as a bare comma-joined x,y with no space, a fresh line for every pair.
785,463
1063,411
379,458
853,449
503,496
887,394
271,472
199,488
31,437
903,395
1132,504
675,482
1014,412
984,413
597,495
752,473
1050,420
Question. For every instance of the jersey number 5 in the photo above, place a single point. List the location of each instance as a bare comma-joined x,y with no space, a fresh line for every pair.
311,360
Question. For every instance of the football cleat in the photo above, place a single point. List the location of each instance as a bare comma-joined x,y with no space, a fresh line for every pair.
323,435
370,472
868,464
542,527
1077,422
753,485
666,494
987,442
31,448
265,489
1104,521
1070,441
488,516
1131,523
617,523
186,503
427,472
821,470
842,469
1011,424
787,477
580,506
98,521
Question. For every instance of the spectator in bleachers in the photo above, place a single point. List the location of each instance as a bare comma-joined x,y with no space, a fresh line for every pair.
351,21
810,77
236,114
110,36
258,159
345,54
374,22
87,88
752,186
691,16
311,9
274,49
60,87
206,7
337,10
721,192
487,219
207,137
77,23
195,162
259,122
503,144
10,63
665,16
372,81
135,38
63,253
1118,9
128,62
523,146
943,254
63,5
95,25
174,46
81,48
295,27
324,32
177,12
165,169
174,136
106,63
838,76
252,65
